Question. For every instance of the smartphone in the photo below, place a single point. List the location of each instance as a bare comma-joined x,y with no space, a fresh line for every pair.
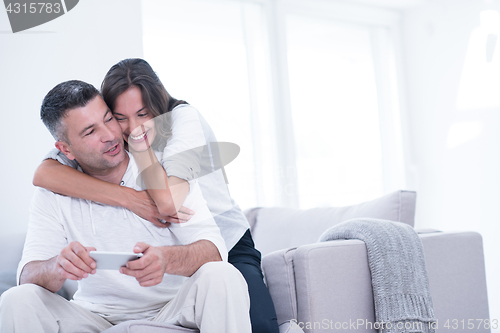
113,260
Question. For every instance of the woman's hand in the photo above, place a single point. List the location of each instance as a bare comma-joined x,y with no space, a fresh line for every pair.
140,203
183,215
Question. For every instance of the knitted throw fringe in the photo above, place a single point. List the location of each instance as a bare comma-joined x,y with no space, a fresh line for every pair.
399,277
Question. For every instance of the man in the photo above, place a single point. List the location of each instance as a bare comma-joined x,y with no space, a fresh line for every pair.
63,230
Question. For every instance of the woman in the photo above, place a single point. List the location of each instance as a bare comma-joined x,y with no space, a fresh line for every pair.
152,120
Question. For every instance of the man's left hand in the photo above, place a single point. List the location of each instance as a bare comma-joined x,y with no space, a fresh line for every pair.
149,269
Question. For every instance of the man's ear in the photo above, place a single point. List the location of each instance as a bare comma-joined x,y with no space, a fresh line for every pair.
65,149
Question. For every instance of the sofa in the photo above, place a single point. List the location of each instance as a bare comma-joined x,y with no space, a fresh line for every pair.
323,287
320,287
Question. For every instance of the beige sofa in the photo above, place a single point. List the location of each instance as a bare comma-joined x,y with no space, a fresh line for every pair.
324,287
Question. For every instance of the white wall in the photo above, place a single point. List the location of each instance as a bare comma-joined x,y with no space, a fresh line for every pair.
82,44
454,101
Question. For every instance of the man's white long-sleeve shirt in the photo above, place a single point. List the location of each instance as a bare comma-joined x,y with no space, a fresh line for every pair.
57,220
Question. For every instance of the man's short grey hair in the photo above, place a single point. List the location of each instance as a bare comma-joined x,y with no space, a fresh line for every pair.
62,98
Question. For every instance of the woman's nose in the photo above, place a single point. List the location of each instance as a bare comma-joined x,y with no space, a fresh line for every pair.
134,127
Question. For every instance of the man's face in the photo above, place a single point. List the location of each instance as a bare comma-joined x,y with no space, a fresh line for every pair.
95,137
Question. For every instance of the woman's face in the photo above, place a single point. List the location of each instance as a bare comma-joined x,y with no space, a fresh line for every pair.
135,119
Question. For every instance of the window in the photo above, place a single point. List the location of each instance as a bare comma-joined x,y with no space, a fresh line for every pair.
308,92
199,50
335,112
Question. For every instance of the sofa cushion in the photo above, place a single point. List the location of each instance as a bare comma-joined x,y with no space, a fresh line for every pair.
279,228
7,280
13,245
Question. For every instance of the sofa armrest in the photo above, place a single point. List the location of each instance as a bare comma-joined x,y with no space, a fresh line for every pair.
333,286
332,282
279,276
457,278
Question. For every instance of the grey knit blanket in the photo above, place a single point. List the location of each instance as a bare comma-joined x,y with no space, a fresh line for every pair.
399,277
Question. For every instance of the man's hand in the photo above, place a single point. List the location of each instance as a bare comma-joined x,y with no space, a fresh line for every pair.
149,269
74,262
176,260
141,204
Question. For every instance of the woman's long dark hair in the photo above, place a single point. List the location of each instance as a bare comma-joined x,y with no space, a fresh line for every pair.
137,72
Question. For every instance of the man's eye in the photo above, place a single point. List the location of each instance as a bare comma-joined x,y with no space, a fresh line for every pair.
88,133
110,118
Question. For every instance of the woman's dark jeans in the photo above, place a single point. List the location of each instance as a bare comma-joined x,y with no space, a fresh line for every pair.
246,259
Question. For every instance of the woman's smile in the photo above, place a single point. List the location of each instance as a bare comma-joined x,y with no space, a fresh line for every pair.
135,119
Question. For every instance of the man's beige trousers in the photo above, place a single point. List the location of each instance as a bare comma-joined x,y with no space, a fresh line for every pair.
214,299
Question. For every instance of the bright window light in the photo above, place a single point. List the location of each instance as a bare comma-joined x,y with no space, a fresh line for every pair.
480,80
198,50
224,58
463,132
335,113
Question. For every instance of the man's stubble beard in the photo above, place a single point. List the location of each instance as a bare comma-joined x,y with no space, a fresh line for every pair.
92,164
